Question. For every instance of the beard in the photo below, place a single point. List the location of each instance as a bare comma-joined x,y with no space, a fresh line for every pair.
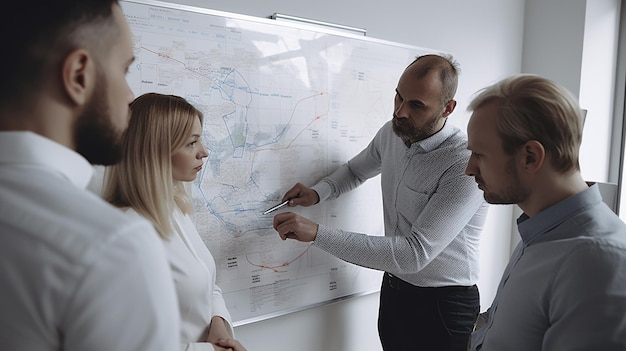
409,133
513,193
95,136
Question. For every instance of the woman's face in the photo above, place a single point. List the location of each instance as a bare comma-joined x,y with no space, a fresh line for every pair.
187,161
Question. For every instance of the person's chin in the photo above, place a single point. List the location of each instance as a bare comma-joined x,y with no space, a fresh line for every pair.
398,131
397,126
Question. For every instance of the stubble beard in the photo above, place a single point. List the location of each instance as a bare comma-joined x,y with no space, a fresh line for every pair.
513,193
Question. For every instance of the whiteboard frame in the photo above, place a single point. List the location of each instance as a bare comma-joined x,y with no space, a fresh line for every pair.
302,26
295,25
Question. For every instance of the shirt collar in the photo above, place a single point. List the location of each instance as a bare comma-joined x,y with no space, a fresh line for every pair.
433,141
530,228
28,148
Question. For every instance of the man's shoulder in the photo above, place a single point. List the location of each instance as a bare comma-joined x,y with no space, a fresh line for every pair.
70,221
456,138
454,148
386,129
100,225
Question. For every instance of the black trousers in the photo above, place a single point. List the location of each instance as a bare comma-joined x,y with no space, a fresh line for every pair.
417,318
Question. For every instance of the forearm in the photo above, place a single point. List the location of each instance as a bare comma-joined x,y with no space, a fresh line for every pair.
339,182
371,251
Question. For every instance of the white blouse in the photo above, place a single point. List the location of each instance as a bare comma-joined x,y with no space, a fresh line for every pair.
194,272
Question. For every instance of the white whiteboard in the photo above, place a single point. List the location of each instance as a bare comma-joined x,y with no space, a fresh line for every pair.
283,103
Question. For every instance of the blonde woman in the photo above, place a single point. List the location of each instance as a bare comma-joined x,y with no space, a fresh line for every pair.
162,149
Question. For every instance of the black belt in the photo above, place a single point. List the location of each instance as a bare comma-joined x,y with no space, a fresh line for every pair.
399,284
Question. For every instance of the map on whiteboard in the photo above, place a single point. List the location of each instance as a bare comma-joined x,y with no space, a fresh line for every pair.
282,104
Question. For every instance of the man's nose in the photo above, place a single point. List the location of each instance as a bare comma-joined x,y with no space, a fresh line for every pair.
400,110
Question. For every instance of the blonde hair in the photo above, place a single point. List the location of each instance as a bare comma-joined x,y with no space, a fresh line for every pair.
535,108
159,125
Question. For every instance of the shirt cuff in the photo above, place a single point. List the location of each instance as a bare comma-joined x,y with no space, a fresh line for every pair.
323,190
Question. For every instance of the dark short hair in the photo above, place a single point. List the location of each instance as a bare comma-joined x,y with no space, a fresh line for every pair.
39,36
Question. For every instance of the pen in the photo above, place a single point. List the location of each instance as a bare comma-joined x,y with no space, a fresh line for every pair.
280,205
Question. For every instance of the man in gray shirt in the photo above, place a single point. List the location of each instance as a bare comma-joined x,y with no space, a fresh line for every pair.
565,285
433,215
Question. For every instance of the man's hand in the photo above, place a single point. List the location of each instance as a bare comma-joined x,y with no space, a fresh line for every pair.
301,195
293,226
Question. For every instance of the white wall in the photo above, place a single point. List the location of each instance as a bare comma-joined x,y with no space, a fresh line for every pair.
487,37
597,88
574,42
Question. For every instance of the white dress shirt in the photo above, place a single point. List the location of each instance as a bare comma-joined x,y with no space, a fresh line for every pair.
433,212
193,270
75,273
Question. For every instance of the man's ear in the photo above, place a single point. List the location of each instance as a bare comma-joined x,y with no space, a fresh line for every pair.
534,155
449,108
78,76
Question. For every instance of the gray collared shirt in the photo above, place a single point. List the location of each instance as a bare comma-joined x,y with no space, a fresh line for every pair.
433,212
565,285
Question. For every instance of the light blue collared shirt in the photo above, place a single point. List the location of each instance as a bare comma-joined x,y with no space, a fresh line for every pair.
565,285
